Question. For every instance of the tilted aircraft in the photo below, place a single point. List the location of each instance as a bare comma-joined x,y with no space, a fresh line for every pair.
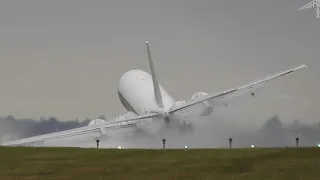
313,4
147,102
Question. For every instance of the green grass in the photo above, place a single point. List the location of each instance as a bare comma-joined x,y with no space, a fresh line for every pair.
218,164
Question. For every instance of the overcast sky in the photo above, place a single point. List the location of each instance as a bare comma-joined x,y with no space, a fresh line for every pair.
64,58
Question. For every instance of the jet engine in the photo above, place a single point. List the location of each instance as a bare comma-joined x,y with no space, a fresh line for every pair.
207,107
96,122
179,103
125,116
198,95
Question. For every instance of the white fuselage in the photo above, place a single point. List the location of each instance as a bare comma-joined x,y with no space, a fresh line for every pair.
136,93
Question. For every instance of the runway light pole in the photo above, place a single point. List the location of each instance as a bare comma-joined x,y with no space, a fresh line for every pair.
97,143
297,141
164,143
230,142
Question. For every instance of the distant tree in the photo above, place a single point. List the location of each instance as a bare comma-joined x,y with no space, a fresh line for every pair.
10,118
296,124
273,124
86,121
53,121
273,132
102,117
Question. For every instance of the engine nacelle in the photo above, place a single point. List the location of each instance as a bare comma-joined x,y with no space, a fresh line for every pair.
128,115
179,103
96,122
198,95
207,108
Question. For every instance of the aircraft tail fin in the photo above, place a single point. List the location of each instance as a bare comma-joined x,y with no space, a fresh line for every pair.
156,87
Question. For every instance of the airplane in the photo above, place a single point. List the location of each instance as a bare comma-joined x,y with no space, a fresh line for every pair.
313,4
147,102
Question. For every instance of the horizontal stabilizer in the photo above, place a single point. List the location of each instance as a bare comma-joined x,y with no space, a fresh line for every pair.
307,6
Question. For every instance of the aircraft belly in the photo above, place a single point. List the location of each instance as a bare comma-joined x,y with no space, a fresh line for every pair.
136,87
139,96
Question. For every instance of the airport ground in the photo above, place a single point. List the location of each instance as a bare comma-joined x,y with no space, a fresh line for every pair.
92,163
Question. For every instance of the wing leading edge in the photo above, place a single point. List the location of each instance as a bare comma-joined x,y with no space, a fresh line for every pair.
101,128
241,90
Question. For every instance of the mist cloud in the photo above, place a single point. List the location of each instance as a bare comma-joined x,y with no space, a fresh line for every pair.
208,133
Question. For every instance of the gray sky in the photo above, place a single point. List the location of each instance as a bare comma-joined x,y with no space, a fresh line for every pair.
65,58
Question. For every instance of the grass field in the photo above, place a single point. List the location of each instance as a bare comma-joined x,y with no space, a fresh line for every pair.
218,164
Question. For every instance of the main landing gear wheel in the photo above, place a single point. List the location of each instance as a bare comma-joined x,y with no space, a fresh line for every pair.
186,129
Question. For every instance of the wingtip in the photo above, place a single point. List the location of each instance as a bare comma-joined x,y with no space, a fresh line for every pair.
301,67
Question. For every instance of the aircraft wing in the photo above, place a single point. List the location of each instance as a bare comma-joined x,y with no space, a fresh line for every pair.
101,129
235,91
307,6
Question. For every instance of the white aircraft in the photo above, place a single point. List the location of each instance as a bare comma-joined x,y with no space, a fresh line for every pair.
313,4
145,99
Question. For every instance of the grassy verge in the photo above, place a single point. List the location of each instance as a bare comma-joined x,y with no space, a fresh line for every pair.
219,164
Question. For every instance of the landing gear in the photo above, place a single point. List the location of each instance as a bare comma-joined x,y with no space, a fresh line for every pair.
186,128
167,119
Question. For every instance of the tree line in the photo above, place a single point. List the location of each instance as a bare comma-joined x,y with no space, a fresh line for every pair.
271,133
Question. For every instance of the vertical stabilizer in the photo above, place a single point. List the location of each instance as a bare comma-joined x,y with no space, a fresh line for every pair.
156,87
